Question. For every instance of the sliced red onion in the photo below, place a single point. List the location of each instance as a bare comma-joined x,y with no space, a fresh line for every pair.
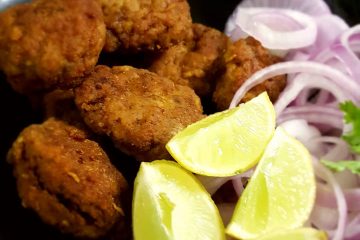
304,132
226,210
324,218
333,76
297,56
326,175
332,68
330,27
353,229
310,96
323,97
311,7
342,58
279,29
231,28
346,179
339,151
352,35
301,130
313,114
212,184
238,183
275,18
304,81
236,34
352,61
355,46
325,197
303,96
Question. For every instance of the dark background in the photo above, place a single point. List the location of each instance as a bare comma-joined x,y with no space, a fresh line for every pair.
17,223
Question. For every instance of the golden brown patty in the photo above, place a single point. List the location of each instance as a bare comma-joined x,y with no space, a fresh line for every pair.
47,44
60,104
241,60
196,63
137,25
67,179
138,109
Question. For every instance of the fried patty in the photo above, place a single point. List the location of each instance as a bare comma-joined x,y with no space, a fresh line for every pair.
60,104
145,25
196,63
138,109
241,60
67,179
49,44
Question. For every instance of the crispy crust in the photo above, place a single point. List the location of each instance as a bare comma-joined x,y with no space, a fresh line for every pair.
60,104
138,25
67,179
241,60
138,109
47,44
196,63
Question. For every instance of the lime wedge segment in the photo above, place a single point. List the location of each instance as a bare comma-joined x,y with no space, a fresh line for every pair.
226,143
296,234
281,193
170,203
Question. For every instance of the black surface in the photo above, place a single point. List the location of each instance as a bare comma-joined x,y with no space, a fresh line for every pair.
212,13
17,223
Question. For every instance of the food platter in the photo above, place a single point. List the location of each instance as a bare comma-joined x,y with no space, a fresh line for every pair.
15,221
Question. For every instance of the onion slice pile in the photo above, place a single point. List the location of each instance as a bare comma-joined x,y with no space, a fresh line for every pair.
338,83
311,7
282,24
323,69
276,29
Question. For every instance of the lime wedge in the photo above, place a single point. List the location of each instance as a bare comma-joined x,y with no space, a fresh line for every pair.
226,143
281,193
296,234
170,203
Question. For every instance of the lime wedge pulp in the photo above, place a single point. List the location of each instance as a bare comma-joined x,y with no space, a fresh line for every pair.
296,234
280,195
170,203
226,143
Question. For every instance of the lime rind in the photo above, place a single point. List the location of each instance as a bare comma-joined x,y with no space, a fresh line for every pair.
226,143
281,193
170,203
